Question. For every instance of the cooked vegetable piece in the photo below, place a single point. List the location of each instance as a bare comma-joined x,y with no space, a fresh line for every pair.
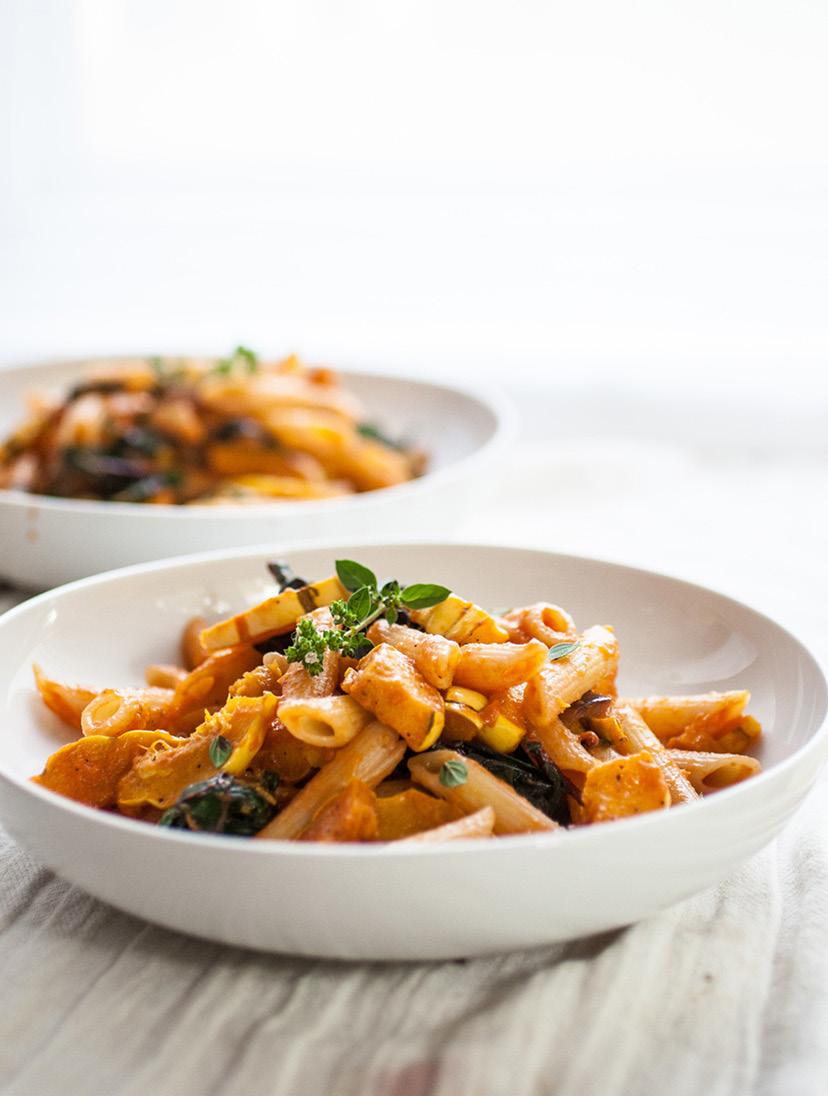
409,812
207,686
349,816
625,786
479,824
271,617
90,769
460,620
434,656
388,684
159,777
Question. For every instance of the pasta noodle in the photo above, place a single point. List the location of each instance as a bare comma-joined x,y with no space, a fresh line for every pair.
346,710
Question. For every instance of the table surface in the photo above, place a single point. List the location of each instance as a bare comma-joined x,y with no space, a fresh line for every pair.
726,993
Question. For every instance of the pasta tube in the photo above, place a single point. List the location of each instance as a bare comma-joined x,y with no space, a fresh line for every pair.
544,621
490,666
114,711
711,722
708,772
434,656
66,701
479,824
629,734
513,813
563,747
326,721
562,682
388,684
370,757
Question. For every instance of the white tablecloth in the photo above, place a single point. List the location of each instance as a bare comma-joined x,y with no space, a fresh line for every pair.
725,994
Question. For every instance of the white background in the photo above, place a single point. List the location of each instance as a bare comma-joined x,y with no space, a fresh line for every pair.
548,189
619,211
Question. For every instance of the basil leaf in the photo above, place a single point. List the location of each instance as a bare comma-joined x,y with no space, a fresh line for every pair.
422,595
220,750
391,615
360,603
352,575
453,773
561,650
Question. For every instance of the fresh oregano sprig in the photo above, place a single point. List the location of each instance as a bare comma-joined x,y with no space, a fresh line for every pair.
352,617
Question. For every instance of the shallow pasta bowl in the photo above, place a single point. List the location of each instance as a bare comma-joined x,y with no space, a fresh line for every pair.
45,541
409,902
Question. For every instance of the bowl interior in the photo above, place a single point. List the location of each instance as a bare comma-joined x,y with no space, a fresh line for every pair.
448,423
675,637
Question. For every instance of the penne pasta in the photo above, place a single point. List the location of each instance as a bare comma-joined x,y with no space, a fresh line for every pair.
513,813
163,675
114,711
708,772
479,824
564,748
629,734
66,701
370,757
561,682
548,623
708,722
328,721
434,656
494,666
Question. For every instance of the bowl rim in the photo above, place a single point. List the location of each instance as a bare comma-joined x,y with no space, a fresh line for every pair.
488,397
508,843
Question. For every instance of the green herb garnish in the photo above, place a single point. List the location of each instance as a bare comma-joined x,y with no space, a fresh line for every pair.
561,650
242,357
353,617
220,750
453,773
373,433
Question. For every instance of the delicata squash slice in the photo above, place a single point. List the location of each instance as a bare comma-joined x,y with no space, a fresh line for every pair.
350,710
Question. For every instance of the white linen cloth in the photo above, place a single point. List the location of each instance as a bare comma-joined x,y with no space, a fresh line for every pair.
725,994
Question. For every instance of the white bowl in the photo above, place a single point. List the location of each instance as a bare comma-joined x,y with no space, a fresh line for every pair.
45,541
386,902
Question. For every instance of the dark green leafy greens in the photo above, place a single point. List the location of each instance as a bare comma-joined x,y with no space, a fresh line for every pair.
528,770
367,603
224,804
